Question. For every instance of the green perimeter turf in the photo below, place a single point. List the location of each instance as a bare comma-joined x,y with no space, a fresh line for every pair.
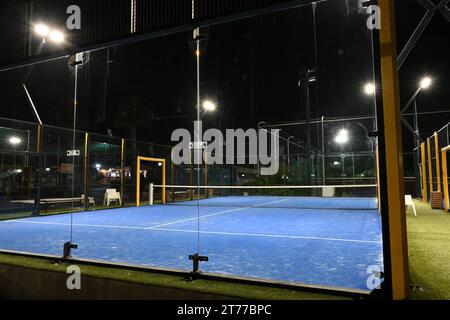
232,290
429,252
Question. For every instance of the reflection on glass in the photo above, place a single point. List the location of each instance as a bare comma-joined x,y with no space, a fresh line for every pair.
289,193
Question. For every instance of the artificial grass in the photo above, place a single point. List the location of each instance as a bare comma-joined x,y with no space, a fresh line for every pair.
232,290
429,252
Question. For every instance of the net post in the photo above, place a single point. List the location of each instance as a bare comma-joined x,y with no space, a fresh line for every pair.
424,174
150,194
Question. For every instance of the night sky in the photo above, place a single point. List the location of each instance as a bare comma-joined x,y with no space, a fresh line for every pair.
250,68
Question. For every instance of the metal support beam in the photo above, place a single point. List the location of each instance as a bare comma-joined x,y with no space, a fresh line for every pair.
431,11
411,129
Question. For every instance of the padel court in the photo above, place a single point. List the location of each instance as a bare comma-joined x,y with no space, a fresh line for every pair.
307,240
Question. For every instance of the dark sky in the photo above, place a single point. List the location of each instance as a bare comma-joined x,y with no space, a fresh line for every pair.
250,68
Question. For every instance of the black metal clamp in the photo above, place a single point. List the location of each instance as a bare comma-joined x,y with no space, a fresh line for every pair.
68,246
196,259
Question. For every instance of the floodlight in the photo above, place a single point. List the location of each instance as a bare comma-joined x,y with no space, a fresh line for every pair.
56,36
342,137
425,83
209,106
369,89
41,30
15,141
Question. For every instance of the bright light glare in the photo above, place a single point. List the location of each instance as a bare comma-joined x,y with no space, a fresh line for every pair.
41,30
342,137
14,141
98,166
369,88
209,106
425,83
56,36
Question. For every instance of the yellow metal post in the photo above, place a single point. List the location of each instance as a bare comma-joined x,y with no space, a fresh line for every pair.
86,170
138,182
122,171
38,146
378,179
393,152
438,164
430,165
138,177
445,177
424,174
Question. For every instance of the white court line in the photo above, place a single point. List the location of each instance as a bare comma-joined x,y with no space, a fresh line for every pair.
137,228
270,236
203,232
74,224
214,214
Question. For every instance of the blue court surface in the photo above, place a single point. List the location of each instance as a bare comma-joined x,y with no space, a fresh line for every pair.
321,244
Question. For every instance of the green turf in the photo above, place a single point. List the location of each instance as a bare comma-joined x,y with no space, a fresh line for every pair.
429,252
233,290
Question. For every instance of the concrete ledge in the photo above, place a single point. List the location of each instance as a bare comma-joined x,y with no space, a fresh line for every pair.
25,283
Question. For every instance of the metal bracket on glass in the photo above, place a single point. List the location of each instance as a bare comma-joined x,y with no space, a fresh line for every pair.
196,259
199,145
73,153
68,246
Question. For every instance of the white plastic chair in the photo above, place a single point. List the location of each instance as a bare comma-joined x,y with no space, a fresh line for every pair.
409,202
112,195
90,199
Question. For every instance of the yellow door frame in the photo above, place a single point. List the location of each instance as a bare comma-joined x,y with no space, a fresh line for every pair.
445,177
138,177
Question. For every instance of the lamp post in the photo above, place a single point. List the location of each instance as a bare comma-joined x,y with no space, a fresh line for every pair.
258,167
341,139
323,151
288,152
424,84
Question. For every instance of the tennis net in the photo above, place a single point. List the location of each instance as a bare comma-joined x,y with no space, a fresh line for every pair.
339,197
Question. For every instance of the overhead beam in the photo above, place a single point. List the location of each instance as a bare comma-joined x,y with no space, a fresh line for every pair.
431,11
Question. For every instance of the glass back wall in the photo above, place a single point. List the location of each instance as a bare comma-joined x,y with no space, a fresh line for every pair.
240,148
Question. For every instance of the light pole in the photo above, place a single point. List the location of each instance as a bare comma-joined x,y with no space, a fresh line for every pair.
424,84
323,151
288,152
258,167
341,139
